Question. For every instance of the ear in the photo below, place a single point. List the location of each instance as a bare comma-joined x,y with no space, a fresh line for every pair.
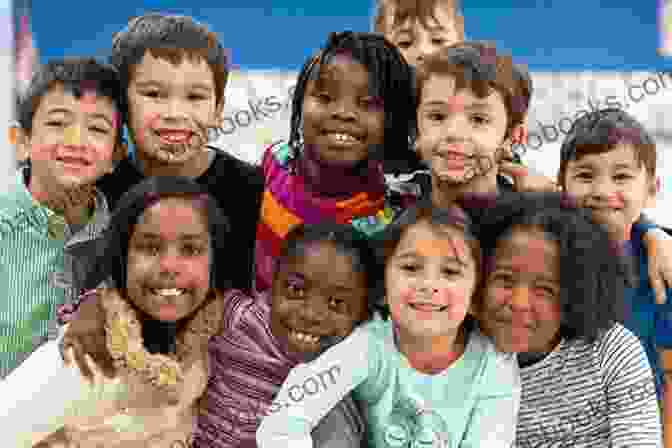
459,25
219,109
653,189
21,141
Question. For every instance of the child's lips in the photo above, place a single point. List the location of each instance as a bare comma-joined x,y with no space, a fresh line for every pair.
174,136
76,162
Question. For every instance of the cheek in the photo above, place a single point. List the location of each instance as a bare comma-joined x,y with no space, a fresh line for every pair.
197,272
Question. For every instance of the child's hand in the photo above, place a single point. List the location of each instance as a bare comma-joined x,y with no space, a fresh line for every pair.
86,335
659,249
525,179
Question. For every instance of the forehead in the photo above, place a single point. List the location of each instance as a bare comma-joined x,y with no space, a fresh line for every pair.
321,257
441,88
59,97
621,154
173,215
433,241
191,68
431,15
528,249
343,68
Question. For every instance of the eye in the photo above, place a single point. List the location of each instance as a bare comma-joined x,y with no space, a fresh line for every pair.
409,267
335,301
98,130
197,97
323,97
623,177
149,248
151,93
545,290
404,44
54,123
502,277
438,41
583,176
436,116
451,272
480,119
193,250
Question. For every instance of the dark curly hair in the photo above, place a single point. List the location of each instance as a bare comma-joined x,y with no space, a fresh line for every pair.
594,275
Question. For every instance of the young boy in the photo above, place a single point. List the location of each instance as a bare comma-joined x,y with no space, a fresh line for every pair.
174,73
52,217
608,163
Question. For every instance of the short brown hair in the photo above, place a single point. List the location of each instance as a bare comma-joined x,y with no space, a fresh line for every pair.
404,9
602,131
477,66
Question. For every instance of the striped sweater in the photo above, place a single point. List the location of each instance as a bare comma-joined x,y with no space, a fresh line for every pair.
590,395
42,264
247,369
287,202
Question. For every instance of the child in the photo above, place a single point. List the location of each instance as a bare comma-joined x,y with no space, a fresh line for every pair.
471,100
319,295
163,307
554,290
352,111
52,217
174,73
427,377
608,162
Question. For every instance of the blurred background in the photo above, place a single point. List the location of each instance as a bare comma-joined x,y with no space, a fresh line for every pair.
580,53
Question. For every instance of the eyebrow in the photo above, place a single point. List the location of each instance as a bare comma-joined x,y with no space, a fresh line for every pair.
508,267
96,115
411,254
186,236
477,105
153,83
591,165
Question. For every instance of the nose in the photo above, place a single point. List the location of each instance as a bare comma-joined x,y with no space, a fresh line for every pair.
520,298
175,110
314,311
170,262
73,136
344,109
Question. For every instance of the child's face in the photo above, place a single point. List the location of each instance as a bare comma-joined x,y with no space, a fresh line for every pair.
429,281
415,40
521,303
341,117
614,185
73,140
459,133
169,260
317,295
170,107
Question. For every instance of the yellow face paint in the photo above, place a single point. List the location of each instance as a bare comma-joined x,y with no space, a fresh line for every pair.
73,135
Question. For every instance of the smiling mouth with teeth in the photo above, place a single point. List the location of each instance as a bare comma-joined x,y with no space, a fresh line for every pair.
304,338
427,307
174,137
343,138
168,292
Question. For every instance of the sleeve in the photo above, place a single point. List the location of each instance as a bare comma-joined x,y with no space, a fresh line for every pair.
494,418
663,323
38,397
643,225
311,390
634,415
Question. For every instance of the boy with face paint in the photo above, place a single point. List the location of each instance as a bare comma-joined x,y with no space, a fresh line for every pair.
53,216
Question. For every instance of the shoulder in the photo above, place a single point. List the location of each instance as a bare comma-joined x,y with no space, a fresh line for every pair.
502,365
229,168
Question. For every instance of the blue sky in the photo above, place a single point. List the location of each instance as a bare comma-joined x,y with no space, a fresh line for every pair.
550,35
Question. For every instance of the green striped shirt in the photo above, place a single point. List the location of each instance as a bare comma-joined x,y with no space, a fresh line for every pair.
35,269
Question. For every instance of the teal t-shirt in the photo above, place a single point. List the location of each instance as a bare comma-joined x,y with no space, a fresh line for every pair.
472,403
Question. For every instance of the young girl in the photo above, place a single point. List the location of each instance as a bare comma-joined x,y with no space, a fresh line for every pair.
554,290
164,305
320,293
353,108
427,377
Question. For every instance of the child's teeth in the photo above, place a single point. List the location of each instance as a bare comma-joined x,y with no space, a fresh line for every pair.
169,292
305,337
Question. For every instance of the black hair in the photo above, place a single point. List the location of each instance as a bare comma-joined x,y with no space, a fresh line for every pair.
600,131
593,274
77,75
112,261
173,33
347,240
390,78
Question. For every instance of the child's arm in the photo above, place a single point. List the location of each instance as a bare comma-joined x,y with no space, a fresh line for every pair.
659,254
663,340
494,419
311,390
634,416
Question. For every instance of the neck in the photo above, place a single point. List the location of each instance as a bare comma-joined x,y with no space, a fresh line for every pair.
434,354
332,180
444,194
192,168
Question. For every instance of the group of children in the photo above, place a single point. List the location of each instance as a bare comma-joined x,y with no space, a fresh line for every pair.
311,301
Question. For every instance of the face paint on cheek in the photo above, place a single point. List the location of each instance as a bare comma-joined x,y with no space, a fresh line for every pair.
73,135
